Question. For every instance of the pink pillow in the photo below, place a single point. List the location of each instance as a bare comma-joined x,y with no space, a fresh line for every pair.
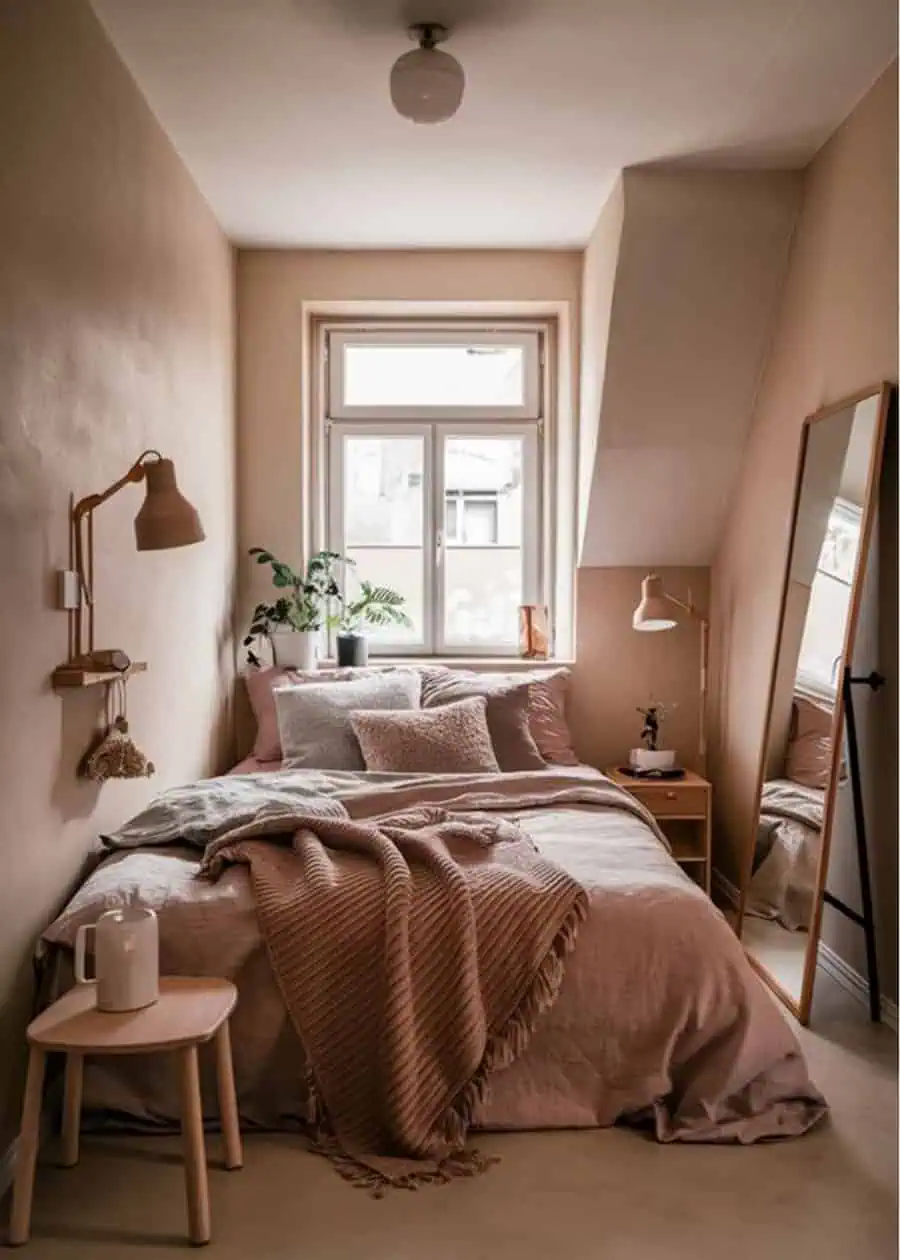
260,685
451,739
548,695
810,746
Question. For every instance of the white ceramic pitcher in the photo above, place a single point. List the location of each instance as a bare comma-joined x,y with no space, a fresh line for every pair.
126,958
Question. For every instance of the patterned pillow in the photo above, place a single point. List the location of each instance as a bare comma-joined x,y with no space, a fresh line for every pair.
261,684
451,739
314,718
547,694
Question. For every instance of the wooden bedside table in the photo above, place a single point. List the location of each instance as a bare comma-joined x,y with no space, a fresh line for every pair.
189,1012
683,809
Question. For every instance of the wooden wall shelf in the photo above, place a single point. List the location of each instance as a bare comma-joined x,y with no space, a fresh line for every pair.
76,676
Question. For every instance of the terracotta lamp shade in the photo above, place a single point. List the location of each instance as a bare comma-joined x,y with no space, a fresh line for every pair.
166,518
654,612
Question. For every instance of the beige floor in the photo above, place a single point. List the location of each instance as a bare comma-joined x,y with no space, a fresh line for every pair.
574,1196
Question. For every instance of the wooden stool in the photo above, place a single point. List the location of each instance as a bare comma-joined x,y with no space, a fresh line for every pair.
189,1011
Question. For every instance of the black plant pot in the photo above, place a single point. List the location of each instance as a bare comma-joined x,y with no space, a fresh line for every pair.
352,649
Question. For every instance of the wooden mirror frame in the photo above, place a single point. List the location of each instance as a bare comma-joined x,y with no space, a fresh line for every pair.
801,1009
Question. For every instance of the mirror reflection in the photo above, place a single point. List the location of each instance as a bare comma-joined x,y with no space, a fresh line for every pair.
804,774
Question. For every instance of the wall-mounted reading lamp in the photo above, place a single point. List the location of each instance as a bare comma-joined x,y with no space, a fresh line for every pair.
166,519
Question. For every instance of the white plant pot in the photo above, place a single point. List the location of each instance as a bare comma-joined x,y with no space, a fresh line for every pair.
296,649
643,759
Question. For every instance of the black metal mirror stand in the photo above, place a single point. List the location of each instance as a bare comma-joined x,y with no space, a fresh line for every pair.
866,920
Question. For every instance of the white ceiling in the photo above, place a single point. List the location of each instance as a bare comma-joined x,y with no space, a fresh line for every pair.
280,108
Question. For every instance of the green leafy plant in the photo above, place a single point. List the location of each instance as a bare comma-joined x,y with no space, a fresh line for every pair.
304,604
373,606
308,599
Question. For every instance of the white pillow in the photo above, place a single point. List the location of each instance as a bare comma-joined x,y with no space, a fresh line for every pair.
314,718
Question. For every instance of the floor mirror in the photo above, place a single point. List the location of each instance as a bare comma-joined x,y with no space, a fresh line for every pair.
809,775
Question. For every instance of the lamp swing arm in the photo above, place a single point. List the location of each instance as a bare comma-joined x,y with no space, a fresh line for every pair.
84,507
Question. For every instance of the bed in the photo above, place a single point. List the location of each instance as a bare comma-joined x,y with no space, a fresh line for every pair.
660,1021
789,842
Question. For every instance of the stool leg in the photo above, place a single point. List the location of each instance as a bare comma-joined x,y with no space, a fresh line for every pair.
228,1109
194,1148
72,1109
26,1159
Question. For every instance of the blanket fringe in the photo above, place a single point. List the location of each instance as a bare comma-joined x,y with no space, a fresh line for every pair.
503,1048
507,1045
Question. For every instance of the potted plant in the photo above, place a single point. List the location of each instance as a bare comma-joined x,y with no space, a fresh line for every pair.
651,757
372,606
293,622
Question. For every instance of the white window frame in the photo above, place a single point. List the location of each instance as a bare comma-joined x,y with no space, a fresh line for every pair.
434,435
529,340
436,424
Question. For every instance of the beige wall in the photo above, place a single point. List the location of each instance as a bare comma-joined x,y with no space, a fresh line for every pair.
700,269
274,287
619,668
835,335
116,332
598,289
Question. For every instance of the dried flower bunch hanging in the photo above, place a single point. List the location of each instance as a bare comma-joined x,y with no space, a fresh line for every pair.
116,756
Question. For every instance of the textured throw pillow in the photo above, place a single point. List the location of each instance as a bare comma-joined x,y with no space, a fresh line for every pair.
314,718
547,693
261,684
808,759
451,739
508,706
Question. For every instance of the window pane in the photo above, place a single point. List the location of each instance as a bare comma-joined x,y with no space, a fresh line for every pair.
823,633
434,376
384,480
401,568
483,564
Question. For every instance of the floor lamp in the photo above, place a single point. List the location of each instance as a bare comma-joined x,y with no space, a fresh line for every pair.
654,612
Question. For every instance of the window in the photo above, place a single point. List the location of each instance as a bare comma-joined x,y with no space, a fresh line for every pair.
829,603
434,485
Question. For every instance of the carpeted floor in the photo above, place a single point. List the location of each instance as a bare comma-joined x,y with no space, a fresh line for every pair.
573,1196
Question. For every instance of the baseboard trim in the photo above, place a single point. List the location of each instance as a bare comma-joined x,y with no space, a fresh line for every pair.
724,886
855,984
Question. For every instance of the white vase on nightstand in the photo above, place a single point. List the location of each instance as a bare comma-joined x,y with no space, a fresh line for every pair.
644,759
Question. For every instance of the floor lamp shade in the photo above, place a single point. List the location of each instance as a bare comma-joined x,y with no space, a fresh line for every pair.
166,518
654,612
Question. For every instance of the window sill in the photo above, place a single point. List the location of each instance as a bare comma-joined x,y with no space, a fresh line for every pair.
508,664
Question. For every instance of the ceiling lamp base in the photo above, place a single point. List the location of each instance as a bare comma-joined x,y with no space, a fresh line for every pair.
427,85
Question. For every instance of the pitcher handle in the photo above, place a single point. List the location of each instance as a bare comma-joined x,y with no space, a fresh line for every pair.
80,948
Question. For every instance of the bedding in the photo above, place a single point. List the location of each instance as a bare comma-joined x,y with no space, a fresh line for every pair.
659,1020
507,711
261,685
454,739
783,884
810,745
314,718
547,697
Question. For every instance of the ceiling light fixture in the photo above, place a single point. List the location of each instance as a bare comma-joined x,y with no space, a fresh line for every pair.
427,84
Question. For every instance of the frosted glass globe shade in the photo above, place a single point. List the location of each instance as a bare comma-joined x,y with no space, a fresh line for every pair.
427,85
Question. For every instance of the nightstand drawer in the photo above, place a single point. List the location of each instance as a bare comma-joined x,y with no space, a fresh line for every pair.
672,799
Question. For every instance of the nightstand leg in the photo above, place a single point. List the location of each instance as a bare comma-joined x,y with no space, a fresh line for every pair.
228,1109
72,1109
194,1148
26,1157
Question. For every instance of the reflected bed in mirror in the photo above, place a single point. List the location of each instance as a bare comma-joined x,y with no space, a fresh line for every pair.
804,768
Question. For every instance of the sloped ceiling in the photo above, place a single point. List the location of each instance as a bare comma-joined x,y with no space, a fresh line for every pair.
697,277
